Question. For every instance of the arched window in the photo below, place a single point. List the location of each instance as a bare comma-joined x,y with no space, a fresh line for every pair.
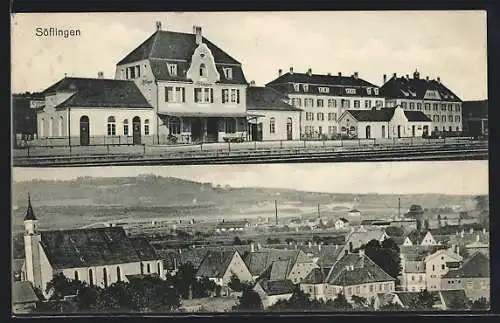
76,275
148,268
146,127
174,126
118,274
383,131
42,124
368,132
272,125
60,132
203,70
105,277
51,124
91,278
125,127
111,126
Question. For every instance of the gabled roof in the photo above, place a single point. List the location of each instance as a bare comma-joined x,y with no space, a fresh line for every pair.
477,266
362,270
416,237
385,115
396,87
449,297
334,82
96,93
277,287
215,263
174,45
418,253
329,255
316,276
266,98
89,247
257,262
23,292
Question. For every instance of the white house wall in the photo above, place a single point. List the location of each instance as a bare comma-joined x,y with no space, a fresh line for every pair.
280,126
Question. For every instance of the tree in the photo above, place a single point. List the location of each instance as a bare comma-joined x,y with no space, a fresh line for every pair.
359,302
60,286
426,224
391,307
386,256
235,283
341,303
237,241
439,220
423,301
249,301
480,304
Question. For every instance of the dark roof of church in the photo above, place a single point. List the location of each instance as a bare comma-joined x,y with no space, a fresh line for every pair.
97,92
266,98
402,87
385,115
93,247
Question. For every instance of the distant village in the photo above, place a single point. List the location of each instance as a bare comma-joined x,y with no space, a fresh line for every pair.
267,263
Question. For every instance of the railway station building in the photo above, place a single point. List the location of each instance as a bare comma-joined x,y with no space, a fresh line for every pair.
430,97
324,98
384,123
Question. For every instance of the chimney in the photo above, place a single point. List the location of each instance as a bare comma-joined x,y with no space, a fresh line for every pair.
252,247
252,83
439,79
197,32
385,78
477,238
258,245
484,231
355,75
100,74
158,25
291,69
65,74
319,247
340,74
427,78
309,244
280,71
309,72
329,74
394,75
407,76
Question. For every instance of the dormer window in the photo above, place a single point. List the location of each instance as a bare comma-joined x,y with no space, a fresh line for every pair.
296,87
203,70
324,90
228,73
305,87
375,91
369,90
172,69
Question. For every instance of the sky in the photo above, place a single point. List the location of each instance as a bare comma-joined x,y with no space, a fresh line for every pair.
448,44
450,177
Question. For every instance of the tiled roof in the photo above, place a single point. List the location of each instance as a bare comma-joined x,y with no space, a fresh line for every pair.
418,253
477,266
257,262
412,266
23,292
329,255
316,276
96,92
277,287
279,269
88,247
451,296
215,263
475,109
336,84
385,115
144,249
266,98
363,270
174,45
396,87
361,238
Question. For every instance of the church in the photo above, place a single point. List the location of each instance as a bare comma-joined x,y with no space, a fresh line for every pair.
96,256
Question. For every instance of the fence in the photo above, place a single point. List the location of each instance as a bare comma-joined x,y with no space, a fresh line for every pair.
144,149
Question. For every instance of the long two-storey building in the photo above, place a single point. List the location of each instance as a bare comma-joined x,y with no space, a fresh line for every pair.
196,88
324,98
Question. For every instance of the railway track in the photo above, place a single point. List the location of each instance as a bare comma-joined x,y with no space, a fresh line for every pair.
371,153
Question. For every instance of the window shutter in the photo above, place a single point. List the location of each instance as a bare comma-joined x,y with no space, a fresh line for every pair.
238,96
166,94
223,96
183,90
211,95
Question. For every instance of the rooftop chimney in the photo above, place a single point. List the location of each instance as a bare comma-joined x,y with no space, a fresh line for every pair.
427,78
394,75
158,25
100,74
309,72
252,83
340,74
355,75
280,71
329,74
197,32
291,69
416,75
65,74
407,76
439,79
385,78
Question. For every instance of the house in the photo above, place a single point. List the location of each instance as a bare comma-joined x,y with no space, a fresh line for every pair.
96,256
413,275
384,123
438,264
353,274
420,238
431,97
270,116
297,263
271,292
325,97
95,111
481,244
314,284
361,236
197,89
475,117
354,212
24,115
341,224
220,266
230,226
24,299
473,277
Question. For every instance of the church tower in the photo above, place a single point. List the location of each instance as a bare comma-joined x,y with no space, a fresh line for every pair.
32,240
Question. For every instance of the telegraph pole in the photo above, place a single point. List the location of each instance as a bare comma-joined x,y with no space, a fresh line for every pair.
276,210
399,207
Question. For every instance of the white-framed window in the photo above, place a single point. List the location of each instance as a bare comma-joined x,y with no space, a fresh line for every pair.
412,105
319,103
346,104
369,90
175,94
272,125
309,116
298,102
368,104
375,90
350,91
403,105
332,130
308,102
125,127
235,96
111,129
231,96
320,116
146,127
427,106
457,118
457,107
443,107
305,87
296,87
172,69
324,90
450,118
203,70
443,118
450,107
228,73
435,106
203,95
419,106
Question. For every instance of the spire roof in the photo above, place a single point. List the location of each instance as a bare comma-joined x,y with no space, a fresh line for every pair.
30,215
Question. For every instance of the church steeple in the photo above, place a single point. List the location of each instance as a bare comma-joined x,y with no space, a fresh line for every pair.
30,215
